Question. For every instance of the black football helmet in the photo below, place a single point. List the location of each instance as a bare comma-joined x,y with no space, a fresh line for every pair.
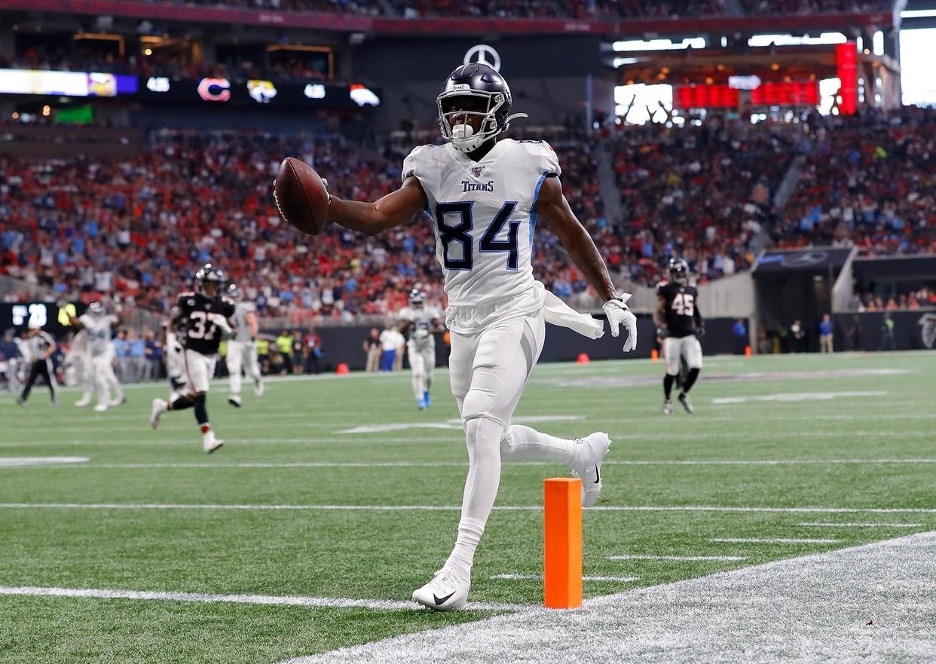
483,83
210,280
679,270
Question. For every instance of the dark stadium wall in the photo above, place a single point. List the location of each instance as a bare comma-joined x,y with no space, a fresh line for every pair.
344,344
549,78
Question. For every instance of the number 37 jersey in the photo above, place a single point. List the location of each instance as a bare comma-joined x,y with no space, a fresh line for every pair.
197,316
483,216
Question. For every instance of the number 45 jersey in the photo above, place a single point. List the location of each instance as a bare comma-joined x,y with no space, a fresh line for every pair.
484,219
681,310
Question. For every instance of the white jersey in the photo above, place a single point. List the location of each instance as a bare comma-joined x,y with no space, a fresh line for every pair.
420,332
484,219
242,329
98,332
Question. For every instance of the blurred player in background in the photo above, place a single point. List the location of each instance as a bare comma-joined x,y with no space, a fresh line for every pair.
39,347
200,319
483,195
419,323
98,329
241,355
175,361
678,319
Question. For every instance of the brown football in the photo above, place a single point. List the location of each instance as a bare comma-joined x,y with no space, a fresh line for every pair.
300,196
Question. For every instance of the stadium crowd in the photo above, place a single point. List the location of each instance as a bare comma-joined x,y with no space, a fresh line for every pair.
867,182
136,227
548,8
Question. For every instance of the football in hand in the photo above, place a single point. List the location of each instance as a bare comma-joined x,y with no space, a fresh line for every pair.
300,196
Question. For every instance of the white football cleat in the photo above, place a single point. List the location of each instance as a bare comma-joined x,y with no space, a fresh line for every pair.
684,400
596,445
235,400
447,591
667,407
100,408
82,402
159,405
211,444
258,387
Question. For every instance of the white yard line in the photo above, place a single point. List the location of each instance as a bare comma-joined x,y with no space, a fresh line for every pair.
811,609
861,525
271,600
680,558
773,540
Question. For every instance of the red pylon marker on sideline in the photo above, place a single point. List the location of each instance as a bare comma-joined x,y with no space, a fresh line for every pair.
582,358
748,352
654,355
562,543
342,369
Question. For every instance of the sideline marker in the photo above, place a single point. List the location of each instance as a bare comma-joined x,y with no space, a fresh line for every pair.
654,355
342,369
748,352
582,358
562,543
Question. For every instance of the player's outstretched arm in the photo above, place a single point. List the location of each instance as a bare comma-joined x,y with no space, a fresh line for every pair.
394,209
554,208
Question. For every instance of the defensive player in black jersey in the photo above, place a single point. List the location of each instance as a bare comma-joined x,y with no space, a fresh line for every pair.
200,318
678,318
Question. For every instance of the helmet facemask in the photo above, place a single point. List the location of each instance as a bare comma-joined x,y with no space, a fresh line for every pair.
458,125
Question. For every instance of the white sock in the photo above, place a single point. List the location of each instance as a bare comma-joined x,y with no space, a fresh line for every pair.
522,443
484,468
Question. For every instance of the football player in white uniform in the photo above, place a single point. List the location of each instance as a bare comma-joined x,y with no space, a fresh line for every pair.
241,357
98,328
484,197
419,323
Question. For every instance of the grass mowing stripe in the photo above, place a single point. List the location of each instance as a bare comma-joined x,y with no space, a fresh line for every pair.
457,508
85,463
270,600
539,577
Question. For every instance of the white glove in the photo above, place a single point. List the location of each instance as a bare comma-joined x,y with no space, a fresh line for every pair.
619,314
221,323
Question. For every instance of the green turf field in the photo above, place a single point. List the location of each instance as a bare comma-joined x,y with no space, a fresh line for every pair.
334,497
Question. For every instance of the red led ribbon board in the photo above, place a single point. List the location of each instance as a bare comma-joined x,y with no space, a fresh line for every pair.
793,93
846,61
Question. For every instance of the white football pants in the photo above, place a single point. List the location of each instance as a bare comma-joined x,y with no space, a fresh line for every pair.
199,370
422,367
241,357
489,371
687,347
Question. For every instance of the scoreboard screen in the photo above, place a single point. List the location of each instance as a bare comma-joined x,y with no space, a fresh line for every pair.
766,94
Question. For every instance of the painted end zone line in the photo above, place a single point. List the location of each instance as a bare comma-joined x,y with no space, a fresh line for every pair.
270,600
